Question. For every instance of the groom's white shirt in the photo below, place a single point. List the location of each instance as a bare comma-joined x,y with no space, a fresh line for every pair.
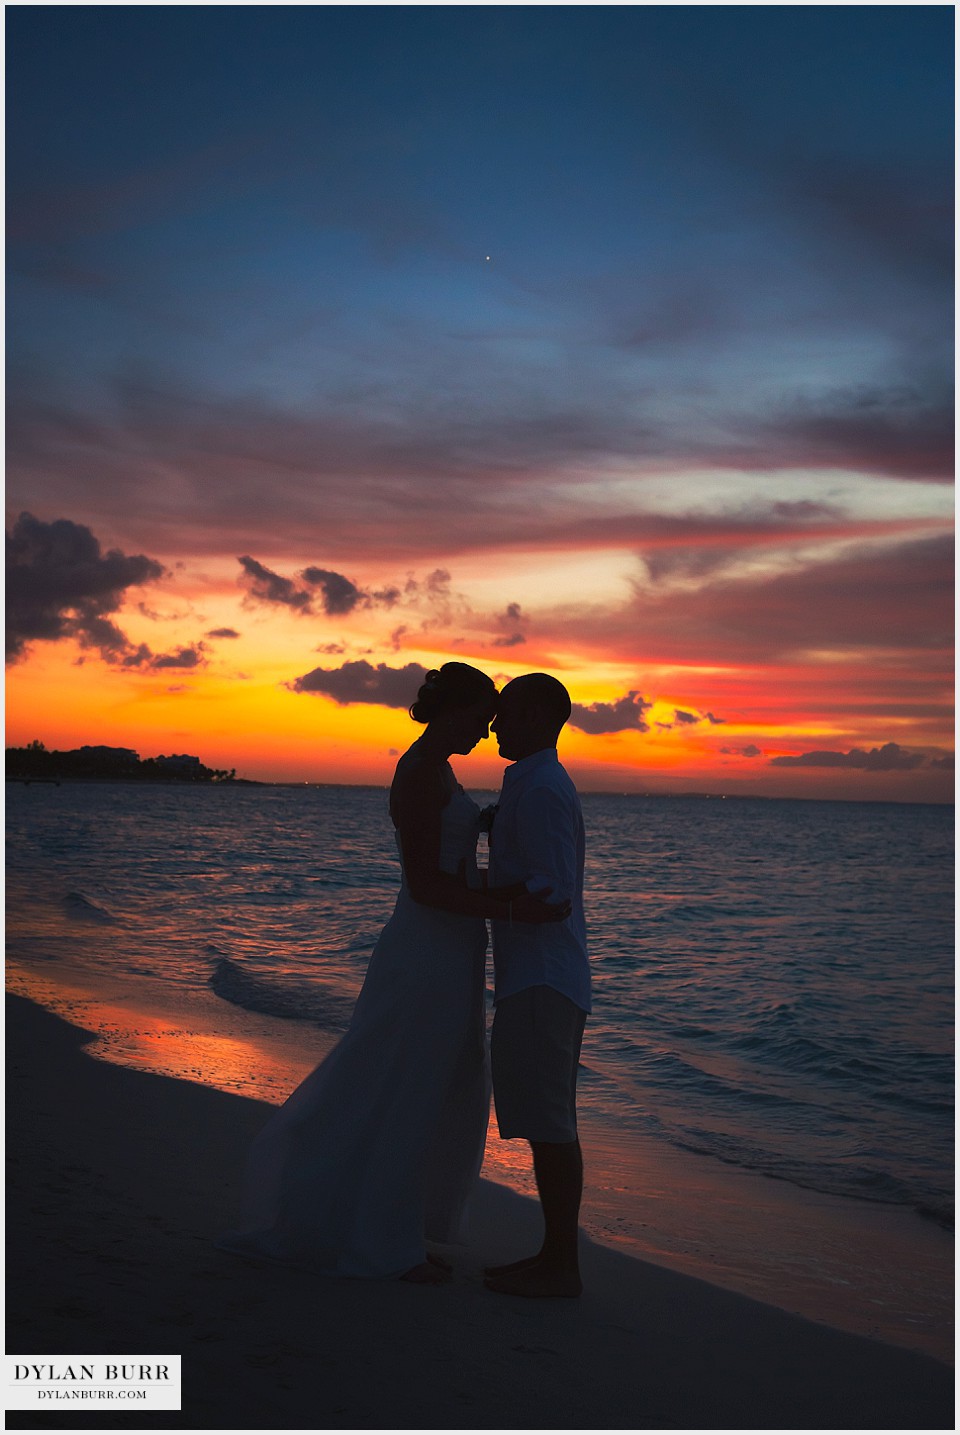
537,838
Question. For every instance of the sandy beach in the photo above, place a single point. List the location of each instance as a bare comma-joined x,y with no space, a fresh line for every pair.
119,1182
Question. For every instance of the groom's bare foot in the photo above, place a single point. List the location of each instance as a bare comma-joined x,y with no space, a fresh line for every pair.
537,1281
511,1266
426,1274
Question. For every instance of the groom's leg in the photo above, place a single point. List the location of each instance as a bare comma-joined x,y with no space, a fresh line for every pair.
558,1168
535,1051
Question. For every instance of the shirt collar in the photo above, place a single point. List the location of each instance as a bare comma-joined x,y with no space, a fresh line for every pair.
517,770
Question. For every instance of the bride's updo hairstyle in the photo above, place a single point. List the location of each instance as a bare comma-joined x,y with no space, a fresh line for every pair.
455,685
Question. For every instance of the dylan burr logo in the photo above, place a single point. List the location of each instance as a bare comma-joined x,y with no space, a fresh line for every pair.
87,1382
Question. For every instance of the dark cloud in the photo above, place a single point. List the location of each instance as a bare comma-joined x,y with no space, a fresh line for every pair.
626,714
339,594
223,633
889,758
685,719
947,761
899,431
157,617
186,657
370,484
751,750
266,586
903,217
60,585
360,682
331,649
508,620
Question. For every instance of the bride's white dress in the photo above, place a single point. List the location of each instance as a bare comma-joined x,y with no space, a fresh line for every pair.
378,1149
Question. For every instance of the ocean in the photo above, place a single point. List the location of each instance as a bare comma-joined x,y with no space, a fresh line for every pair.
766,1089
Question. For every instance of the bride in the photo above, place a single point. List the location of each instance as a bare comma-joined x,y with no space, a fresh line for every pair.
377,1150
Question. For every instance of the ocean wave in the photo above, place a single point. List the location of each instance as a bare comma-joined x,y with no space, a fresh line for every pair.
81,909
290,999
861,1182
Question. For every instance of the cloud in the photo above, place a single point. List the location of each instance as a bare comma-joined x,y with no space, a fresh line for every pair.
186,657
898,430
947,761
223,633
360,682
60,585
626,714
847,603
686,719
889,758
512,638
265,586
369,483
339,594
751,750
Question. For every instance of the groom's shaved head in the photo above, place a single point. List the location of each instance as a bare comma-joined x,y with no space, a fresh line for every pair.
541,694
542,691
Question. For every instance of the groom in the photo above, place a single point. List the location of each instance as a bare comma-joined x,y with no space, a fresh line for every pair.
542,978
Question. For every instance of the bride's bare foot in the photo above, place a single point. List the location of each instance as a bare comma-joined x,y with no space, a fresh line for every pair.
426,1274
511,1266
439,1262
537,1281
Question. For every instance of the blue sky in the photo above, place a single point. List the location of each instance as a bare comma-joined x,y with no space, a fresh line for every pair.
744,205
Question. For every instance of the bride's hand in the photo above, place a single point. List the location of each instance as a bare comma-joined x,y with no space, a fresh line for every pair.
526,908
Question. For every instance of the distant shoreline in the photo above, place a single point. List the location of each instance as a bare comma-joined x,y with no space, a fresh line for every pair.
73,781
479,787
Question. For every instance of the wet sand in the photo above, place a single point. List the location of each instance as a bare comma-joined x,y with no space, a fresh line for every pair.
120,1181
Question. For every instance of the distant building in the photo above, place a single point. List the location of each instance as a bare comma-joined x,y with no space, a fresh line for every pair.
117,756
180,765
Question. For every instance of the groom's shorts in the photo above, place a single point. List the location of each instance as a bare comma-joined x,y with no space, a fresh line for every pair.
534,1053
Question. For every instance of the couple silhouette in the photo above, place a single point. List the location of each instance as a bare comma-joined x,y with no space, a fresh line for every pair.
374,1156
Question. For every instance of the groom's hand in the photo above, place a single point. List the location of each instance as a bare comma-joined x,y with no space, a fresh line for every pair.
536,910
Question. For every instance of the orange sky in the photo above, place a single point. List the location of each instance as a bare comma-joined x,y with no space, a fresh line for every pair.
681,725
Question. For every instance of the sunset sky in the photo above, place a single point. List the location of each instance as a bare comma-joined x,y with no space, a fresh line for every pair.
614,342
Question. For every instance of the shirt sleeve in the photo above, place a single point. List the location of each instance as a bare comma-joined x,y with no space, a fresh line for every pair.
547,826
